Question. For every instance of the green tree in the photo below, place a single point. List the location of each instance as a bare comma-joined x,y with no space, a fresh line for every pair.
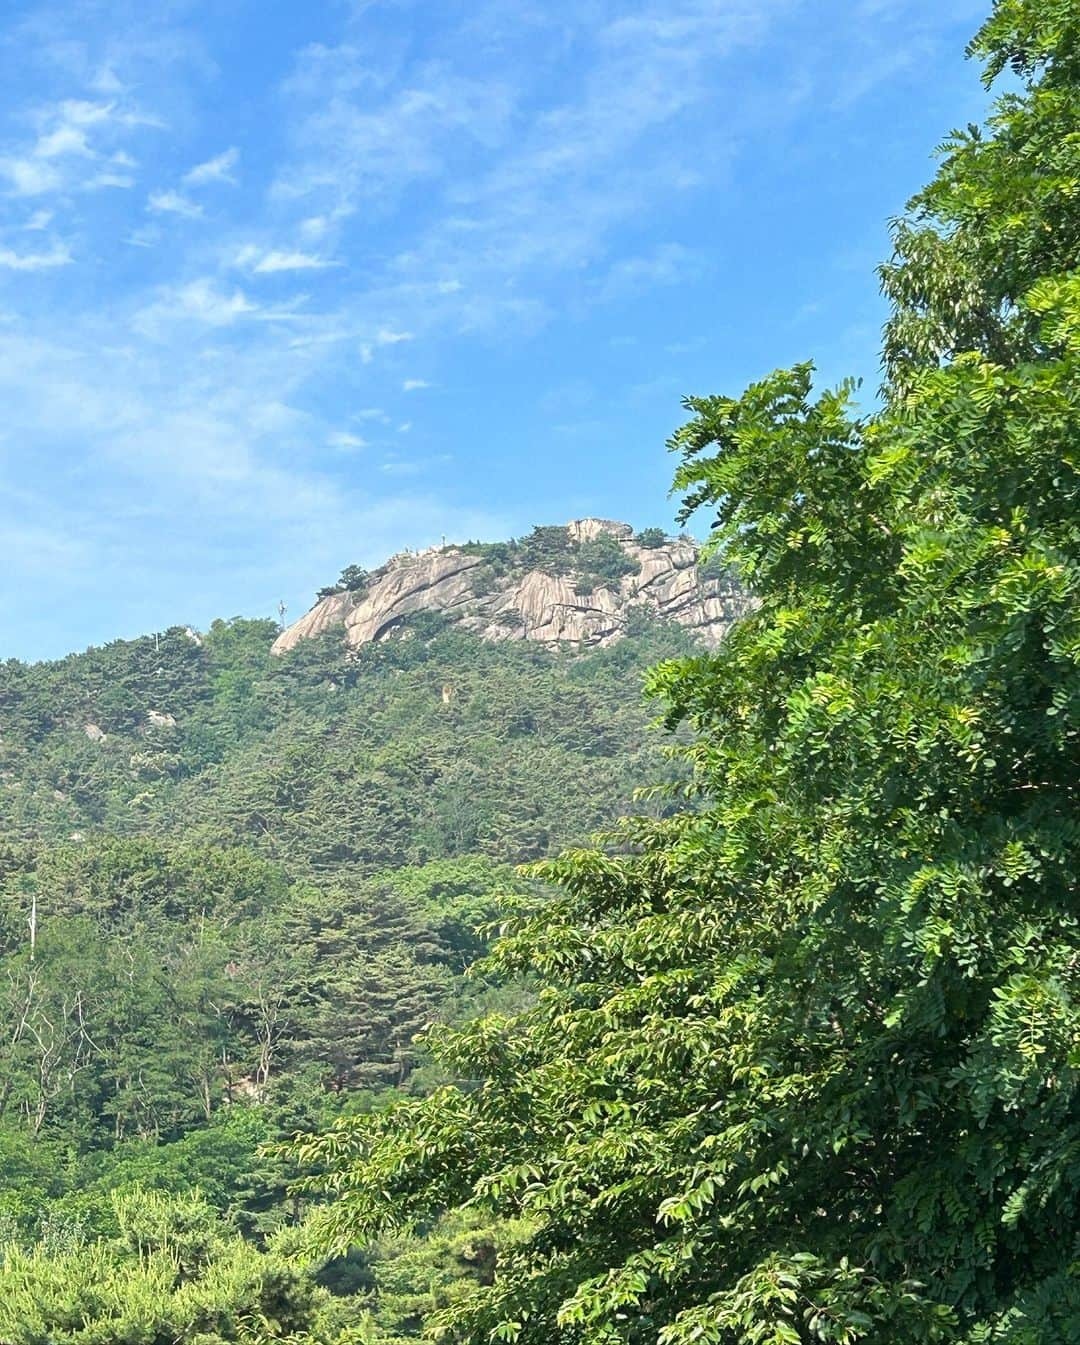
602,561
804,1063
546,548
173,1272
354,579
1000,213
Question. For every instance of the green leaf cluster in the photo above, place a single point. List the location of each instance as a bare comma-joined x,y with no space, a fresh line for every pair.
172,1272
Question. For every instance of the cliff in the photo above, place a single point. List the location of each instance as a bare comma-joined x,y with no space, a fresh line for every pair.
581,584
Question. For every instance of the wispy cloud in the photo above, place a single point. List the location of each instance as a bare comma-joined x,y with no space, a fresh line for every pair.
427,189
666,264
523,194
384,336
171,448
200,301
218,169
74,148
414,466
361,140
346,442
173,203
35,261
31,177
275,260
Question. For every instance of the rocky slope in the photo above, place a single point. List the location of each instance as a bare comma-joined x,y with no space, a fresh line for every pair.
581,584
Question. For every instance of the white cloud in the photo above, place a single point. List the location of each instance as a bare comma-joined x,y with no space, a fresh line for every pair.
201,300
40,219
198,301
80,112
205,302
106,82
34,261
402,467
414,384
192,495
108,179
349,443
172,203
386,337
667,264
62,155
377,144
218,169
143,238
271,262
321,331
317,227
523,190
66,139
29,177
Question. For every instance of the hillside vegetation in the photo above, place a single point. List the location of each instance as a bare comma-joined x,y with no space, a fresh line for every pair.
790,1057
233,890
805,1061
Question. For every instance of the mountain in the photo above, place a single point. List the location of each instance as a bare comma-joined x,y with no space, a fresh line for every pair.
236,883
584,584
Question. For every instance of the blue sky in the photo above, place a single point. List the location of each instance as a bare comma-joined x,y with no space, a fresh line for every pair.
288,286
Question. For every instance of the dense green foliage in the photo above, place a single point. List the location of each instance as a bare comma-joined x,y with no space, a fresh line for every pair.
324,759
163,983
804,1061
170,1273
794,1058
602,561
1000,214
228,908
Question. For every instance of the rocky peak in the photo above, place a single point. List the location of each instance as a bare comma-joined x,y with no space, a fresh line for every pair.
589,529
580,584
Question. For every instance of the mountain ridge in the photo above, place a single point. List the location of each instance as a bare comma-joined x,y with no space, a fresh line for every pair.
581,584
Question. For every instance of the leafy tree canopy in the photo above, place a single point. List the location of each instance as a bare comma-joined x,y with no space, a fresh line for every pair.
803,1067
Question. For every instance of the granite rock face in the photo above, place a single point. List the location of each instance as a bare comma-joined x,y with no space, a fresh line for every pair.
556,603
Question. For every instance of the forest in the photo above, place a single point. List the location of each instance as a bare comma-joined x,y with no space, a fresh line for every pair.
234,888
421,991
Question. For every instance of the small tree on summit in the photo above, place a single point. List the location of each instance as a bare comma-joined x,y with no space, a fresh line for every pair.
354,579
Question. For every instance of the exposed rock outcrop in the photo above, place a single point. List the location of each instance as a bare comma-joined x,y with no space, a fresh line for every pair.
325,615
506,593
434,581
